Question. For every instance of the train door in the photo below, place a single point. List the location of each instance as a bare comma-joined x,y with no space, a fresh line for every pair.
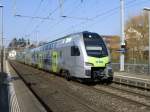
40,60
54,61
75,54
78,60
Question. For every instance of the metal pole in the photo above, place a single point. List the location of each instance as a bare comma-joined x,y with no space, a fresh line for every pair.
148,10
14,7
2,39
60,5
122,42
36,36
149,42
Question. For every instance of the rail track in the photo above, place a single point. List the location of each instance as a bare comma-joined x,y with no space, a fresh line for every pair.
112,90
134,90
28,84
125,95
86,105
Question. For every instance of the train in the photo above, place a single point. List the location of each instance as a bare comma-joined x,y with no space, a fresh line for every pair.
83,55
12,54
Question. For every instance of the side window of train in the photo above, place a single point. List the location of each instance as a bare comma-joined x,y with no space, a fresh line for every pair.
75,51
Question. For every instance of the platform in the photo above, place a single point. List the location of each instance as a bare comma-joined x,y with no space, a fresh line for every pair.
20,98
137,80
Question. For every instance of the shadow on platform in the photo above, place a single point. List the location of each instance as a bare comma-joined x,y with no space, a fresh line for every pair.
4,104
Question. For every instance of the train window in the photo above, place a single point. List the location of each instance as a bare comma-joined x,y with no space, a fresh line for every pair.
46,47
68,39
94,45
75,51
63,41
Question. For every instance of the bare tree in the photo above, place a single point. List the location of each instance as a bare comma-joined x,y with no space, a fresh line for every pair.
136,32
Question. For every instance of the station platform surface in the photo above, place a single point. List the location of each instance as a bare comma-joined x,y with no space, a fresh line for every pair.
20,98
137,80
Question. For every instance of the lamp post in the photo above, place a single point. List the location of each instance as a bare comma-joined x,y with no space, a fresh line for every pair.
1,7
148,10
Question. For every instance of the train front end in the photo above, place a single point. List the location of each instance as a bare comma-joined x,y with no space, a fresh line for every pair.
97,61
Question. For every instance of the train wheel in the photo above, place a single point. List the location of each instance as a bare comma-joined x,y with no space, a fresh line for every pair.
67,76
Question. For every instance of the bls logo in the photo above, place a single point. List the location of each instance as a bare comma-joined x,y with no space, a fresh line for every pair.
99,61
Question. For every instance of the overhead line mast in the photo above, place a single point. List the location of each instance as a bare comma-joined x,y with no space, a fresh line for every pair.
122,41
2,46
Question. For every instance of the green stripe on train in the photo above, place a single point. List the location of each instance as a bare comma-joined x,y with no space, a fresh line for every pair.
40,63
54,61
98,62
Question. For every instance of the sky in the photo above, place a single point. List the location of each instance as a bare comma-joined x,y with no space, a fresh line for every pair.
100,16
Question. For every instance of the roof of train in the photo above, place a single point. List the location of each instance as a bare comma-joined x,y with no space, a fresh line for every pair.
60,39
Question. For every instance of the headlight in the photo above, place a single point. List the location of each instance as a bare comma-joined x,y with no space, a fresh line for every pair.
88,64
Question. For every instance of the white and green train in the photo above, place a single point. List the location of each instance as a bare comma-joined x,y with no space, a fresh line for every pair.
81,55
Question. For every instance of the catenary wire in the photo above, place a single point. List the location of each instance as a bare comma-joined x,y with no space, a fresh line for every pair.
111,11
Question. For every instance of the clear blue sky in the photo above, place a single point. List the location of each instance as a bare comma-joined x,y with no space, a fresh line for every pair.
105,20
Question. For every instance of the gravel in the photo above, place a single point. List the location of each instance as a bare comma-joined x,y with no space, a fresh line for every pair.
63,96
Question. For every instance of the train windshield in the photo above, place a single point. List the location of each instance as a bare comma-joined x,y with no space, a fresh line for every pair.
94,45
